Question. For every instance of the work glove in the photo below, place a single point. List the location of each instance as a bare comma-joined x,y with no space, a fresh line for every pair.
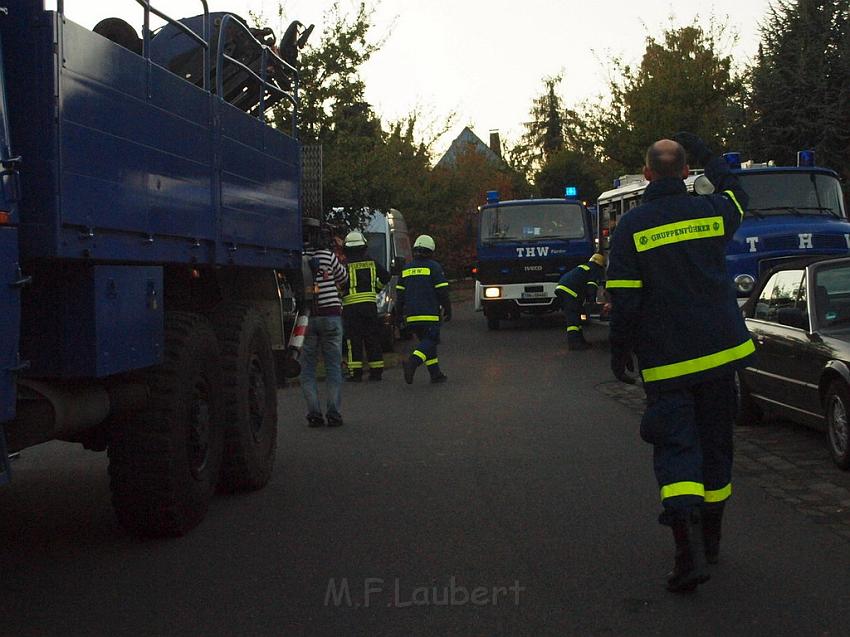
447,314
694,146
620,362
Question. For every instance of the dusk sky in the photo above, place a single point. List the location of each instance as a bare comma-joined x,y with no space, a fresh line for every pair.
484,60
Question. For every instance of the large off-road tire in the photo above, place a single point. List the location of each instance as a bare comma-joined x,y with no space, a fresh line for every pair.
838,423
749,412
164,461
250,395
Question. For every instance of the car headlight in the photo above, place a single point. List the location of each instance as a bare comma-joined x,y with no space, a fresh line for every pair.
492,293
744,283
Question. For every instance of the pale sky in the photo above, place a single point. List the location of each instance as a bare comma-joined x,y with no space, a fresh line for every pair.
483,60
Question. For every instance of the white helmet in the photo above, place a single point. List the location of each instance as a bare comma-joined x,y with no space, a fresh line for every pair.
424,242
355,239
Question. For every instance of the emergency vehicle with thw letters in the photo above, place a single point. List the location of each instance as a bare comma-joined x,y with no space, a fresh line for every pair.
524,247
793,211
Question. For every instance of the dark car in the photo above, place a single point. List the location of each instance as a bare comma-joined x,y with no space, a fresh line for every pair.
799,318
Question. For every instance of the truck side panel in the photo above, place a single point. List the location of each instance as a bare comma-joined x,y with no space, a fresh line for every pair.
134,164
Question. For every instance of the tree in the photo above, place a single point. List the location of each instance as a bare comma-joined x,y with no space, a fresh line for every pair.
544,132
684,82
801,83
568,168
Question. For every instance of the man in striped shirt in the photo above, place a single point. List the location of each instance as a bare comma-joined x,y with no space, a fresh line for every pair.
324,332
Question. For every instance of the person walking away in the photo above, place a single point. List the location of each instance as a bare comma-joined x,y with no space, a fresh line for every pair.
674,306
574,288
366,278
324,329
423,301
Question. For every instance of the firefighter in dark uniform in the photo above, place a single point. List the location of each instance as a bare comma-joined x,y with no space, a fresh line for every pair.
675,308
423,301
574,288
359,309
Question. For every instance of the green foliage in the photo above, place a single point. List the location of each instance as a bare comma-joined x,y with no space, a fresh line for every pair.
684,82
801,83
568,168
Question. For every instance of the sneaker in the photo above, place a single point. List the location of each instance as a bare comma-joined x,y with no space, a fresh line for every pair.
409,370
315,420
334,420
442,378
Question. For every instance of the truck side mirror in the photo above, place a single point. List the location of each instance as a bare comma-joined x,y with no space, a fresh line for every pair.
398,266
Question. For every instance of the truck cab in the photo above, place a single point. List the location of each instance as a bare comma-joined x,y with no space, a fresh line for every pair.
524,247
388,243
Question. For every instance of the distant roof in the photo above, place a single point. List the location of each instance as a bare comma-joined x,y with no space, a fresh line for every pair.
460,145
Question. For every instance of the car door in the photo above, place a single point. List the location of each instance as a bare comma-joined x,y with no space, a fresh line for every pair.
777,376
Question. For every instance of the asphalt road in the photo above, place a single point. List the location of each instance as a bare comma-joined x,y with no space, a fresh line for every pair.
517,499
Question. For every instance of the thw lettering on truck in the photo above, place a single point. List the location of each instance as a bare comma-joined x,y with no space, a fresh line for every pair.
534,251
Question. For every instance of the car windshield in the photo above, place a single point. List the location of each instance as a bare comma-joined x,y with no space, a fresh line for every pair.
377,247
787,193
832,295
532,222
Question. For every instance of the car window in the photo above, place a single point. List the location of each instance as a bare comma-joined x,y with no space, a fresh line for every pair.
832,295
786,289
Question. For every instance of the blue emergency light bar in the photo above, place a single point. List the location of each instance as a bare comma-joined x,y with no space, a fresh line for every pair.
806,158
492,196
571,192
733,160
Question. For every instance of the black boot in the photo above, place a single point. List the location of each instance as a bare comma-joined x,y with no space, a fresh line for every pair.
689,570
410,366
712,520
437,376
355,376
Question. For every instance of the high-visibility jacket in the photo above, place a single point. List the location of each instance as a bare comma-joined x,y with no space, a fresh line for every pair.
422,291
580,283
674,304
365,279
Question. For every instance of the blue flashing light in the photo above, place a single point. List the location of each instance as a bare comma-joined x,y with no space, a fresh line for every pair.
492,196
571,192
806,158
733,160
617,183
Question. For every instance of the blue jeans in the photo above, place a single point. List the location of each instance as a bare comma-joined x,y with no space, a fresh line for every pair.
324,332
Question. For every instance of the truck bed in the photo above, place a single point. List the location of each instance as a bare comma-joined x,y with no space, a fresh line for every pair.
127,163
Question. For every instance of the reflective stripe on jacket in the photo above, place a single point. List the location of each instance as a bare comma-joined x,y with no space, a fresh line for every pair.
422,291
673,299
365,279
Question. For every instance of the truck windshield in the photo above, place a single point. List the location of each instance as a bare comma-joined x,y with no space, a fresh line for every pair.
532,222
785,193
377,247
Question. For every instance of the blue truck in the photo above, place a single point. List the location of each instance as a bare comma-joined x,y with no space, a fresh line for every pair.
150,224
793,211
523,247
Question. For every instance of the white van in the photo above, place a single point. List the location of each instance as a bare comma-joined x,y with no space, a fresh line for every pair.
388,244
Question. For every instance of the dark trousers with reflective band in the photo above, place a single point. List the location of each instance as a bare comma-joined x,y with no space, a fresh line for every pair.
362,329
691,429
426,350
572,313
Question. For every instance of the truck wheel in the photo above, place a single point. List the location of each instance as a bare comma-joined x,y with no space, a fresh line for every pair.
250,396
492,322
748,413
164,462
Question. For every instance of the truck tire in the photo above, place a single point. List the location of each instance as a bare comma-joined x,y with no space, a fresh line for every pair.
164,462
492,322
250,398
